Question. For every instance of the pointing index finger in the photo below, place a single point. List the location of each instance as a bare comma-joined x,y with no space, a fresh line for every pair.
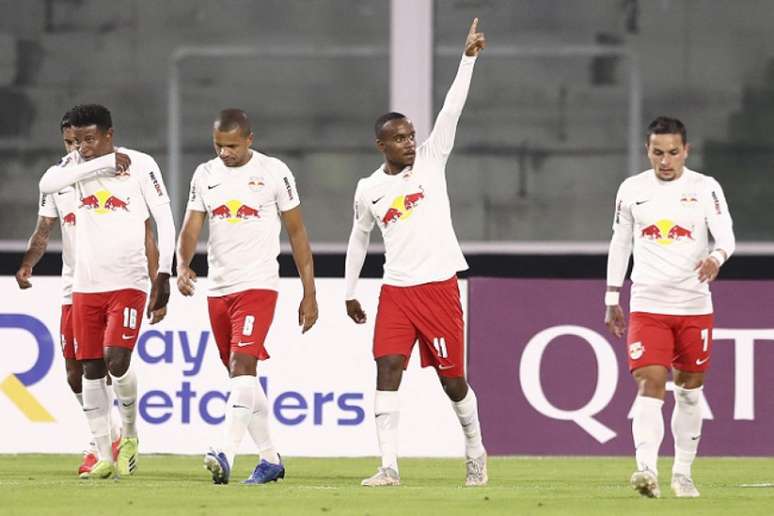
473,27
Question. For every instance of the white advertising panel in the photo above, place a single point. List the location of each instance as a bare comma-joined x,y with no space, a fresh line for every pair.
320,385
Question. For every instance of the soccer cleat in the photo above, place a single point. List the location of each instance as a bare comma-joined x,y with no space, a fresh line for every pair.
101,470
266,472
127,456
683,487
382,477
477,475
88,462
645,482
217,464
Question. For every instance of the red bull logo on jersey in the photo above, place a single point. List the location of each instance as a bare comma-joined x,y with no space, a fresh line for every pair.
402,207
666,232
69,219
234,211
103,202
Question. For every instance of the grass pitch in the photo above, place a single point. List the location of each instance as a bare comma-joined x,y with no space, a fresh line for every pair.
178,485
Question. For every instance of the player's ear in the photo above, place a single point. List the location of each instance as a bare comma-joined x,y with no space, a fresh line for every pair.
250,138
109,133
687,149
380,145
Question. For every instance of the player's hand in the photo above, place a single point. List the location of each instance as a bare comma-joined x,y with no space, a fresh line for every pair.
159,295
476,41
122,164
158,315
307,313
708,269
23,276
615,321
186,279
355,312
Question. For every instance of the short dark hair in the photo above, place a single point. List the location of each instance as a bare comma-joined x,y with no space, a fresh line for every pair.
384,120
231,119
85,115
667,125
65,123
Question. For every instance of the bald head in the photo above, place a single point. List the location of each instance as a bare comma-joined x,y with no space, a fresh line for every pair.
231,119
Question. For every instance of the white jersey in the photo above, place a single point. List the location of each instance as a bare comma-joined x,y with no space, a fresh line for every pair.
110,233
244,205
412,208
62,205
669,223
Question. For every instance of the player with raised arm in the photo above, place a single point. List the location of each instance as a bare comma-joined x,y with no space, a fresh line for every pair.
407,198
247,196
116,190
666,215
62,206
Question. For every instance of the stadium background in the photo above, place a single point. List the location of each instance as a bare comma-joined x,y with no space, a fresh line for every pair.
553,123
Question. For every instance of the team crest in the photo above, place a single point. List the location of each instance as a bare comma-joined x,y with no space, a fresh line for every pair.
636,350
255,183
689,199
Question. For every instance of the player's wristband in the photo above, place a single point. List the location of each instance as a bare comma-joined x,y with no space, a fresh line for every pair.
718,256
612,298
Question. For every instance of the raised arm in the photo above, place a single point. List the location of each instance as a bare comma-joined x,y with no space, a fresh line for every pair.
441,139
61,176
302,255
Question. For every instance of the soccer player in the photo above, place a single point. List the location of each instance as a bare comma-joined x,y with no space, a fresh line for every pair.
62,206
115,193
247,196
407,198
666,215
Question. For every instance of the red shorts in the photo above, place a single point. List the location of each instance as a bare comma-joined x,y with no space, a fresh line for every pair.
106,319
240,322
430,313
680,341
66,334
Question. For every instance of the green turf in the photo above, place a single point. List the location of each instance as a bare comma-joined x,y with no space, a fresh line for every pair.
170,485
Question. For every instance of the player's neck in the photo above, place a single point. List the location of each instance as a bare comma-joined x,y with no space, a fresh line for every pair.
393,169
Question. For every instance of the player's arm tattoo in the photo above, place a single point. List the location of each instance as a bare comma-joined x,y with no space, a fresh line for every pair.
38,243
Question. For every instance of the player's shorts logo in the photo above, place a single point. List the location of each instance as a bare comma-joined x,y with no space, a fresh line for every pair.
636,349
15,384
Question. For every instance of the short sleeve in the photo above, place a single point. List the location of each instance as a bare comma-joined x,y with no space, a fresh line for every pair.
363,218
195,201
286,192
46,207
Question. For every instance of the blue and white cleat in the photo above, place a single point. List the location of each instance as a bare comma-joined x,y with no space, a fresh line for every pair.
217,464
266,472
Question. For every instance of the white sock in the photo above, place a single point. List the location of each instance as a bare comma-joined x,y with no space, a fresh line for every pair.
386,410
114,416
467,412
647,431
125,388
259,426
95,407
686,428
239,411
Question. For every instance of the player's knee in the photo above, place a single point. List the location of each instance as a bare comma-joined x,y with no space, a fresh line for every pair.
118,363
75,381
456,388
